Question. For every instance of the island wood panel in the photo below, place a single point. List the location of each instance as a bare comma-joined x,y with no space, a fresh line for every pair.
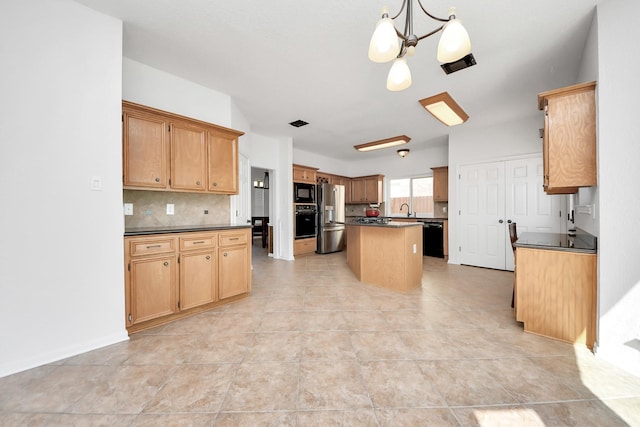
556,294
353,250
384,256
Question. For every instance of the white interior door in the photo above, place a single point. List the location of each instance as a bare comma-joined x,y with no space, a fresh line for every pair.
494,194
481,233
526,202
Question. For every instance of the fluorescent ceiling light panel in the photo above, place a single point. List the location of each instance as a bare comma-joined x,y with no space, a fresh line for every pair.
383,143
445,109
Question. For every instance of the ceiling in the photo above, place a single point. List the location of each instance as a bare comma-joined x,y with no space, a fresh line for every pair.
286,60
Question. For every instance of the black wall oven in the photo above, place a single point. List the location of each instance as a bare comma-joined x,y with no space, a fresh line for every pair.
305,221
304,193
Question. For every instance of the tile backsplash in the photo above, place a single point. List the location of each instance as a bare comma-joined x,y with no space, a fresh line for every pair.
150,208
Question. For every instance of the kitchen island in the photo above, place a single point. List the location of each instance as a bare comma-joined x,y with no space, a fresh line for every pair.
388,255
556,283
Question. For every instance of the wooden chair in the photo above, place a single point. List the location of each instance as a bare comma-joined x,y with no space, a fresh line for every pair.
513,235
259,228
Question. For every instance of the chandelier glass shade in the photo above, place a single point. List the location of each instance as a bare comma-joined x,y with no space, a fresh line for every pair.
387,43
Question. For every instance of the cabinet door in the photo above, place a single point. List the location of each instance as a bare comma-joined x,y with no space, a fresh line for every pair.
302,174
571,140
372,188
222,164
188,154
197,279
234,268
153,288
440,184
144,150
358,191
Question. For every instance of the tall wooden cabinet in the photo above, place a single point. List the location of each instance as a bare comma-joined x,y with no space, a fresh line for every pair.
165,151
569,138
440,184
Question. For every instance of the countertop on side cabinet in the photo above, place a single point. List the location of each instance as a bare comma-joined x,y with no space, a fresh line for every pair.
582,242
163,229
392,224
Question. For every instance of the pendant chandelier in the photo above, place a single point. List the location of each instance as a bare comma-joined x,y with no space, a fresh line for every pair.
387,43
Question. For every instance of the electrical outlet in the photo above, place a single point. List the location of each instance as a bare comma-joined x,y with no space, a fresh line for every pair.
128,208
170,208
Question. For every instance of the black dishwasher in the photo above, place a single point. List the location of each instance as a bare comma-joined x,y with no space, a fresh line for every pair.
432,239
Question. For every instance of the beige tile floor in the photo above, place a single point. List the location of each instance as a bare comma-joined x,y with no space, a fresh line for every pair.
314,347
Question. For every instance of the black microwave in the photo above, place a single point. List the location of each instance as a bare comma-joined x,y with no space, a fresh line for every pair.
304,193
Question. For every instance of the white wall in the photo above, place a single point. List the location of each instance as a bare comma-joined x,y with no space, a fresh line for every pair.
589,72
61,272
277,155
618,178
485,145
149,86
418,162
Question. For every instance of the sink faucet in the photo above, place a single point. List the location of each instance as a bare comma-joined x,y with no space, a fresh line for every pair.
408,211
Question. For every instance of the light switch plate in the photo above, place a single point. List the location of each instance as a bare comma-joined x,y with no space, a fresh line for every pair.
170,208
128,208
96,183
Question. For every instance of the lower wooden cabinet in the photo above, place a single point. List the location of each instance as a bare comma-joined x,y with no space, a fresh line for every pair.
304,246
556,294
170,276
153,288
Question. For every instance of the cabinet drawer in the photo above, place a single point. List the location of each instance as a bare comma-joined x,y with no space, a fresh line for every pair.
304,246
151,246
230,239
197,242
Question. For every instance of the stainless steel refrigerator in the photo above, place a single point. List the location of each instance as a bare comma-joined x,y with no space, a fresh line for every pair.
331,212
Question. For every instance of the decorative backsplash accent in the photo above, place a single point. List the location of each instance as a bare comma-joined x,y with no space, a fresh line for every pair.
150,208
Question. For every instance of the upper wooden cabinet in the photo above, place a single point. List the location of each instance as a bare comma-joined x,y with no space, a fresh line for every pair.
440,184
323,178
366,189
188,156
145,149
304,174
569,138
195,155
222,162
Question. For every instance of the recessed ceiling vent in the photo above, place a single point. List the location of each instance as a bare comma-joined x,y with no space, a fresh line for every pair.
298,123
460,64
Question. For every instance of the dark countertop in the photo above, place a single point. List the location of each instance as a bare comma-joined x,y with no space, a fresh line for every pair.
582,242
392,224
163,229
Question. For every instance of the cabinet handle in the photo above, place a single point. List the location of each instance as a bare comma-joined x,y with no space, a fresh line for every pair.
233,238
197,182
225,254
199,242
153,246
501,221
208,257
215,184
157,179
166,264
508,221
